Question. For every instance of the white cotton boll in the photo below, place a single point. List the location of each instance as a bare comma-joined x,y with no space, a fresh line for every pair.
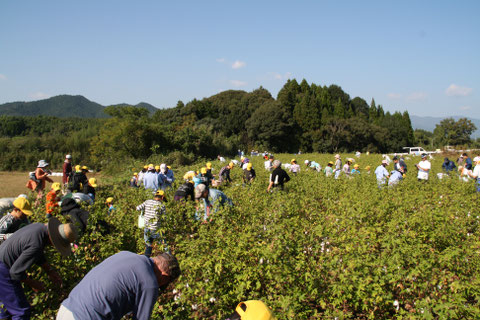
174,291
212,300
261,261
396,304
194,306
187,286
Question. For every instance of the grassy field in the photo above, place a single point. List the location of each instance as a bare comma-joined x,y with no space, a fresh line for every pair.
14,183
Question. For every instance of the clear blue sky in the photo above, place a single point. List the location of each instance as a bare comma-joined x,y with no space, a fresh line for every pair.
420,56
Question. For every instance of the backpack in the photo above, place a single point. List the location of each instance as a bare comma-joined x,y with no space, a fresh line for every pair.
33,177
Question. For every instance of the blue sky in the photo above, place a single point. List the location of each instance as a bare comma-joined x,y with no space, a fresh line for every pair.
420,56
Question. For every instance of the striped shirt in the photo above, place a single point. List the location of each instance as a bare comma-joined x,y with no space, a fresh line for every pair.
153,210
8,225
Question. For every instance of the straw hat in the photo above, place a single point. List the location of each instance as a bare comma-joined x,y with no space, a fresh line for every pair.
61,235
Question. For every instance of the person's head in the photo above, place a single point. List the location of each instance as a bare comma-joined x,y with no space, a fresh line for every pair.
306,162
163,168
424,156
330,164
349,161
384,163
135,174
446,159
93,182
68,158
42,164
464,155
271,158
337,156
166,268
61,235
476,160
188,177
367,168
157,168
151,168
84,169
56,187
249,166
203,170
145,168
231,165
201,191
159,195
277,163
78,168
252,310
395,159
209,165
21,207
356,166
109,201
293,161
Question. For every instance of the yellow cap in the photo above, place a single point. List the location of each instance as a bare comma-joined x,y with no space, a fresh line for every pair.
189,175
109,200
330,162
169,167
367,168
209,165
135,173
254,310
56,186
249,166
160,193
293,160
356,166
93,182
157,167
151,165
84,168
78,168
23,205
145,166
203,170
231,165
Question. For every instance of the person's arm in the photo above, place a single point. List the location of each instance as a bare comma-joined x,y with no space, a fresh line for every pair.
26,259
145,301
52,274
270,186
141,207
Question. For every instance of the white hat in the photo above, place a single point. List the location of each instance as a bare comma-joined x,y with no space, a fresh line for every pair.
476,159
307,162
42,164
385,162
68,156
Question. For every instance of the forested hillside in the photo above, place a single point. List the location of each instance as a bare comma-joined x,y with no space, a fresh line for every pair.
304,117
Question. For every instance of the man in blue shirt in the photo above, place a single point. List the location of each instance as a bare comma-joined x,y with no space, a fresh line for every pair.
218,199
395,178
448,165
382,173
123,283
150,179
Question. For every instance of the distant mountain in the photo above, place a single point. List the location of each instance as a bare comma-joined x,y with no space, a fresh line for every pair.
428,123
62,106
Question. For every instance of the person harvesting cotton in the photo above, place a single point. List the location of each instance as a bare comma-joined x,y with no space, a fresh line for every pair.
278,177
423,167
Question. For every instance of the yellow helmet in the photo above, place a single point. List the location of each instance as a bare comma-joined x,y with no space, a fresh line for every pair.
109,200
231,165
203,170
93,182
56,186
249,166
84,168
78,168
160,193
293,160
209,165
254,310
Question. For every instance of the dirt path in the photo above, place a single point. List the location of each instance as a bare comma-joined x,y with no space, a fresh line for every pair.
14,183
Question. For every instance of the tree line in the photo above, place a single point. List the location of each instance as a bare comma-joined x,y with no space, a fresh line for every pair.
305,117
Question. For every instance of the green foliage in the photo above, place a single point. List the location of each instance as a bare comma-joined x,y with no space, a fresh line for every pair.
451,132
320,250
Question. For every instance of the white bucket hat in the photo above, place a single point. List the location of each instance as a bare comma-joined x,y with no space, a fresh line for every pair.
42,164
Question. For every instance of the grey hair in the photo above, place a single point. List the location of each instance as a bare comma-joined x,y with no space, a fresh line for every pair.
277,163
168,263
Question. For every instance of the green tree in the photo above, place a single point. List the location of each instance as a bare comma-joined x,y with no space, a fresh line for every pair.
451,132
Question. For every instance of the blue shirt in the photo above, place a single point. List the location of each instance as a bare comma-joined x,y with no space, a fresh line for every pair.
150,181
381,174
218,199
122,283
395,177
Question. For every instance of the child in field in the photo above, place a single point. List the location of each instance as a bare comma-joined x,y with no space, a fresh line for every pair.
134,181
329,169
52,198
109,204
355,169
295,167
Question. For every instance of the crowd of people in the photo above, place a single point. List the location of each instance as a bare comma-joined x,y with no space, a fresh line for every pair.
127,282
